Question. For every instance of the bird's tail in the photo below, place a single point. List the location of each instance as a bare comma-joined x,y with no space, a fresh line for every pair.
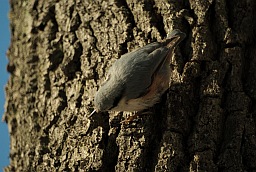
174,38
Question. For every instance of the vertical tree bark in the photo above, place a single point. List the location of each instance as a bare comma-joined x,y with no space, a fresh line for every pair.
60,51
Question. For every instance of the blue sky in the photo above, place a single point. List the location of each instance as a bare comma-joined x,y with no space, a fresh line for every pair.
4,44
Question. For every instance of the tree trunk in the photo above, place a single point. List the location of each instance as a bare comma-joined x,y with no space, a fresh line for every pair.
58,57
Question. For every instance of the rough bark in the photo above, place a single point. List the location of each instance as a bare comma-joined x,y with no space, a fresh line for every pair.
58,56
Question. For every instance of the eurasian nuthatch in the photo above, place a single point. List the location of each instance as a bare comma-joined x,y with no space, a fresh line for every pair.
138,79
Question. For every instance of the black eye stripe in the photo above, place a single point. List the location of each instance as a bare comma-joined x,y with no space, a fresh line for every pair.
117,99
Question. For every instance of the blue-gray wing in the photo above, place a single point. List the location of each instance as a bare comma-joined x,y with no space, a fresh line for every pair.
135,69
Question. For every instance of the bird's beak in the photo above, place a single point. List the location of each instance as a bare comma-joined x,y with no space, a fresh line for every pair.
93,112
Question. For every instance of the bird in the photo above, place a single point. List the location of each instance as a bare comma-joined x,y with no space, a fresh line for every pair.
138,79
